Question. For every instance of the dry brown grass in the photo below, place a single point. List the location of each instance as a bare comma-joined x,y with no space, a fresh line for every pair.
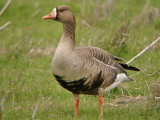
42,51
156,89
147,15
129,99
121,36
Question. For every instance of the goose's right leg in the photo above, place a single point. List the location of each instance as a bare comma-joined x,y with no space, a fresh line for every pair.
76,104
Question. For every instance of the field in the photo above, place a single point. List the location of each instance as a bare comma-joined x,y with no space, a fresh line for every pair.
28,89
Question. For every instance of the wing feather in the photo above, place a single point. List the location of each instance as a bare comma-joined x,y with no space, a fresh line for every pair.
104,57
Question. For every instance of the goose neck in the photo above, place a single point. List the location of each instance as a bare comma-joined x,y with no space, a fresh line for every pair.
69,29
68,38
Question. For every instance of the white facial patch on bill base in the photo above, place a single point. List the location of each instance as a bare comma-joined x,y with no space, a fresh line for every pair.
55,12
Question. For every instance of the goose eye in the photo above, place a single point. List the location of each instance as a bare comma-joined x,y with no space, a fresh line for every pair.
61,10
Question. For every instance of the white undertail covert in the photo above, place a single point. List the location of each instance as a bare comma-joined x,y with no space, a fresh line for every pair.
121,77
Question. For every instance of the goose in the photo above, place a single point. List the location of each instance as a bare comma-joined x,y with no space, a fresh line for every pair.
84,70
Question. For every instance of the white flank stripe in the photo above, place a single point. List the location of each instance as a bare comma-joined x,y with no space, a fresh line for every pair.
105,64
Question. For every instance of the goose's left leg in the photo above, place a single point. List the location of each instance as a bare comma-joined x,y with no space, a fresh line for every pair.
76,104
101,104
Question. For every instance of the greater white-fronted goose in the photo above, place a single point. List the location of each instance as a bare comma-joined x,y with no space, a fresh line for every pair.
84,70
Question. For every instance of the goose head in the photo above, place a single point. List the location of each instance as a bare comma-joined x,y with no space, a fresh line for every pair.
61,13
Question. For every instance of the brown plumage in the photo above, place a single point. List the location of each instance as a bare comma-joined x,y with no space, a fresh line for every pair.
84,70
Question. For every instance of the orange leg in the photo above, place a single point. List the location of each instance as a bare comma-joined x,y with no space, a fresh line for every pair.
76,104
101,104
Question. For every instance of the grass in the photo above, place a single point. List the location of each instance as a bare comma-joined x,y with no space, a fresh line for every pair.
29,79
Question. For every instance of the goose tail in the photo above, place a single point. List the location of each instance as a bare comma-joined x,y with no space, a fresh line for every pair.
128,67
